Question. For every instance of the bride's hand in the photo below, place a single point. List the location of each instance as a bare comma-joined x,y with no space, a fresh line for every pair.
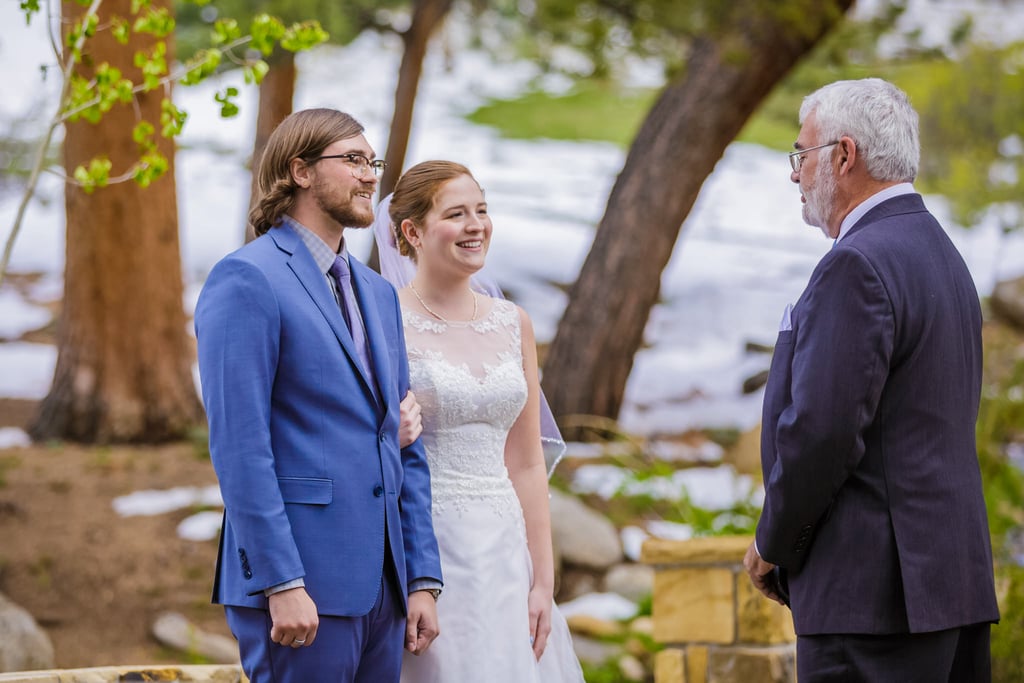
540,603
410,424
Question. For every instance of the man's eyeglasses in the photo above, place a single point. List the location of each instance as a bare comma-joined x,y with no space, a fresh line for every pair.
359,162
796,159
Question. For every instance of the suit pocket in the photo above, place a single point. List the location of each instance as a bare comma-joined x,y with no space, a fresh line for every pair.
306,490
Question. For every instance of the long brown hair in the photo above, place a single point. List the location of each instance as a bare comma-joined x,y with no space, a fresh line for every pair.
415,194
305,135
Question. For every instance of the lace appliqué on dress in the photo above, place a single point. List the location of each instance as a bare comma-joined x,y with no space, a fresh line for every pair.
468,378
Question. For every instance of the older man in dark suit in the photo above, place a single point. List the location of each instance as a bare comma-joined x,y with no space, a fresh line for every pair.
873,505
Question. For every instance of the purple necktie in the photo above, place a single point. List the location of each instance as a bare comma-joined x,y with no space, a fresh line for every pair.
350,310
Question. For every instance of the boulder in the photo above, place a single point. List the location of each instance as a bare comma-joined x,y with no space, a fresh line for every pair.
177,632
1007,302
630,580
584,537
24,646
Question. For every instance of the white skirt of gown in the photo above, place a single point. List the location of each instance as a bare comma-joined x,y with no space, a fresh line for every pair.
482,612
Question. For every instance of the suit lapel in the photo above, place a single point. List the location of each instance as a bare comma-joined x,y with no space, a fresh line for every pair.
301,263
375,335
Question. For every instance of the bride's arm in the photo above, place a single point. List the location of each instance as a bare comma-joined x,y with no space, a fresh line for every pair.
524,459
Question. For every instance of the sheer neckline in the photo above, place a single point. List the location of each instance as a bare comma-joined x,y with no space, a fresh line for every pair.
439,325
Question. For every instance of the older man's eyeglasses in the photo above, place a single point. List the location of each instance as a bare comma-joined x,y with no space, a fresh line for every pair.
796,159
359,163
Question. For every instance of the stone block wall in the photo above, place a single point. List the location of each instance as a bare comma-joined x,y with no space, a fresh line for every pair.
121,674
714,625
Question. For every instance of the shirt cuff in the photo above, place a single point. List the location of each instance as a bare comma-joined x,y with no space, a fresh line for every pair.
424,584
287,585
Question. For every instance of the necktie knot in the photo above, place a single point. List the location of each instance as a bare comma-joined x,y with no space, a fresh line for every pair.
339,270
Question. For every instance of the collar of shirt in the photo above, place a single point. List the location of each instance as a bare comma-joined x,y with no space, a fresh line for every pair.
870,203
322,254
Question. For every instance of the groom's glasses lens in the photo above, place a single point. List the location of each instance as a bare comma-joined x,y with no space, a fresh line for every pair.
358,162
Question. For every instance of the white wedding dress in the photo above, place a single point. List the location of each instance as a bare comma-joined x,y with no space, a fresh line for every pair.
469,381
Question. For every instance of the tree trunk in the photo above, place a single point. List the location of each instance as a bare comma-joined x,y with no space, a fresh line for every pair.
124,364
679,143
427,15
277,90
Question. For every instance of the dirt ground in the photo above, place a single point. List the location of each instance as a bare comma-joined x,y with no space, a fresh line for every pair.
96,581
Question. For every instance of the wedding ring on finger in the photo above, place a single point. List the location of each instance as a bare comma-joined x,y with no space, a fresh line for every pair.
531,640
300,641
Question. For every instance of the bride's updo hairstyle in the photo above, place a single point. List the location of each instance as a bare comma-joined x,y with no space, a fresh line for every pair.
415,194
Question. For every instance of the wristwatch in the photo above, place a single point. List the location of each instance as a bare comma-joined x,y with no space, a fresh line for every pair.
434,592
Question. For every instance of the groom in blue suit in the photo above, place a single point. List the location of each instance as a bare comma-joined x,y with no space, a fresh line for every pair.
874,526
327,560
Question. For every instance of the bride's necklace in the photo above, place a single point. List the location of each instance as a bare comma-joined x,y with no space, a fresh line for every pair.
434,313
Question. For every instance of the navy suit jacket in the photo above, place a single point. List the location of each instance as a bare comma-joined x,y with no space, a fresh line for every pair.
873,499
313,480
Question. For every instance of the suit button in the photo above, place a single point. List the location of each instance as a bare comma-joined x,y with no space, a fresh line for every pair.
248,574
378,491
382,436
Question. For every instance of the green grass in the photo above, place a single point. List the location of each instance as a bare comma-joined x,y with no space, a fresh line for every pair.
596,111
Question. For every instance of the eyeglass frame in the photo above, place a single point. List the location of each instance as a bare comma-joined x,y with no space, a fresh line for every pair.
796,159
377,166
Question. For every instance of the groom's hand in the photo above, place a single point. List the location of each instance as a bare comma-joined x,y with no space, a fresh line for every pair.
294,618
758,569
422,627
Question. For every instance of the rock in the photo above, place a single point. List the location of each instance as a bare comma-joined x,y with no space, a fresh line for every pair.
584,537
591,651
1007,302
745,454
609,606
630,580
175,631
24,646
572,583
642,625
587,625
631,668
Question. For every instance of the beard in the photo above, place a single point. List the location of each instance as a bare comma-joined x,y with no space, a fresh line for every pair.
343,209
820,197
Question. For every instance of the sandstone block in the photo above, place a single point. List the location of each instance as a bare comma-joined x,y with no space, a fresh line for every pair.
762,664
716,550
668,667
761,620
696,664
694,605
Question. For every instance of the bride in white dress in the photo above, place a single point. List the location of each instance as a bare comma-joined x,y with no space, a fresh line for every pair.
473,369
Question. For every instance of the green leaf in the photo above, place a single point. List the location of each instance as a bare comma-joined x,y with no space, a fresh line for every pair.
142,134
153,65
226,31
303,36
96,175
151,166
157,22
120,29
255,71
172,119
139,5
265,31
228,108
29,7
203,65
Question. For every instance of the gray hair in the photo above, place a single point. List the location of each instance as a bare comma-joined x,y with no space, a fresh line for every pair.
879,118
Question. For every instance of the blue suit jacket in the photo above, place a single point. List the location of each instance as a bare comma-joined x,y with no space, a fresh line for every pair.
313,479
873,499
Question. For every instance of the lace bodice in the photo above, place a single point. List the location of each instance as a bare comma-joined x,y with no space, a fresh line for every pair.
469,381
